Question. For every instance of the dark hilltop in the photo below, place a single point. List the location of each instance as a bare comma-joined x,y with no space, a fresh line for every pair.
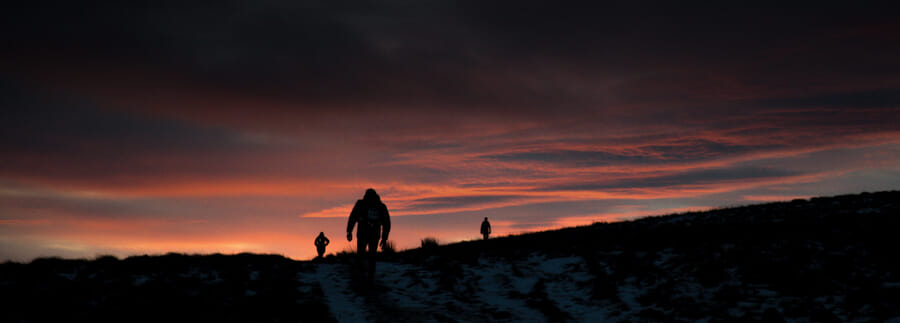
828,259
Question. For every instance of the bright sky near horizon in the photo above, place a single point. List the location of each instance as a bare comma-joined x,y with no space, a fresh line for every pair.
234,126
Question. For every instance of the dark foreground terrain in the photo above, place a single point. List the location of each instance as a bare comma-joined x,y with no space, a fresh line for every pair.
830,259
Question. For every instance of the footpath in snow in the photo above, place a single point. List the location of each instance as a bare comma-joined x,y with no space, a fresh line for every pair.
491,290
345,304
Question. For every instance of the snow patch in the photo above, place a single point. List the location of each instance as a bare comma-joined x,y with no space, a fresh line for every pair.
140,280
494,283
558,266
868,210
663,257
213,278
766,293
629,293
344,304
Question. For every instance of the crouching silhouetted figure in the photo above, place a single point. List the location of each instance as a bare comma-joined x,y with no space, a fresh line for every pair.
485,228
374,225
321,243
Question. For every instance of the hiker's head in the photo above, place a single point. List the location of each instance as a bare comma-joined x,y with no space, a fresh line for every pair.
321,233
485,218
371,195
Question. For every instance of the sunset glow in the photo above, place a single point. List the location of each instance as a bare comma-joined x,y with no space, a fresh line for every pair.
253,126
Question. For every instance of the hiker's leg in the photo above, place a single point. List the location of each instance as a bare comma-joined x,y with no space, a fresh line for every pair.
372,253
361,253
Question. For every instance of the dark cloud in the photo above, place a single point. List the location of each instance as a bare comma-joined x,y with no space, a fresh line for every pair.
877,98
491,58
702,149
44,123
50,136
443,202
664,152
711,176
34,204
426,70
570,157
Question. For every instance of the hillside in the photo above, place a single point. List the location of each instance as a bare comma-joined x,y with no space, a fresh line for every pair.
830,259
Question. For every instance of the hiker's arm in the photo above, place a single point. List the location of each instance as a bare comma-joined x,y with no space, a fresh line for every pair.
352,221
386,226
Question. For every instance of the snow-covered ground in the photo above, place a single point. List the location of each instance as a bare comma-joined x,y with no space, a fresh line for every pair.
705,282
345,304
491,290
537,288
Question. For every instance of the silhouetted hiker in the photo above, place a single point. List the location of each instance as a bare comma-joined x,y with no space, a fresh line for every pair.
485,228
321,243
374,224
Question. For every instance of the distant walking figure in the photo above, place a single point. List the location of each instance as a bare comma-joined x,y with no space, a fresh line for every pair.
485,228
374,224
321,243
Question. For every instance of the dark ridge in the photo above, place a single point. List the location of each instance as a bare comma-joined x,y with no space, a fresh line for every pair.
796,219
172,287
827,258
831,259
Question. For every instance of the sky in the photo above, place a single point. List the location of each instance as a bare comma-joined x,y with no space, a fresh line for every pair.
147,127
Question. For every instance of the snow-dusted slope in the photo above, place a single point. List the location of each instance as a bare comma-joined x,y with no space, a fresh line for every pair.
819,260
489,290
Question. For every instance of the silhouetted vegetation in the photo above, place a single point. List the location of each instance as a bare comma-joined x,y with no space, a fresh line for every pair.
388,248
429,243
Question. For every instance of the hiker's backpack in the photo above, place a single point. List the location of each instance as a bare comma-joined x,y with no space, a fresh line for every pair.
374,216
